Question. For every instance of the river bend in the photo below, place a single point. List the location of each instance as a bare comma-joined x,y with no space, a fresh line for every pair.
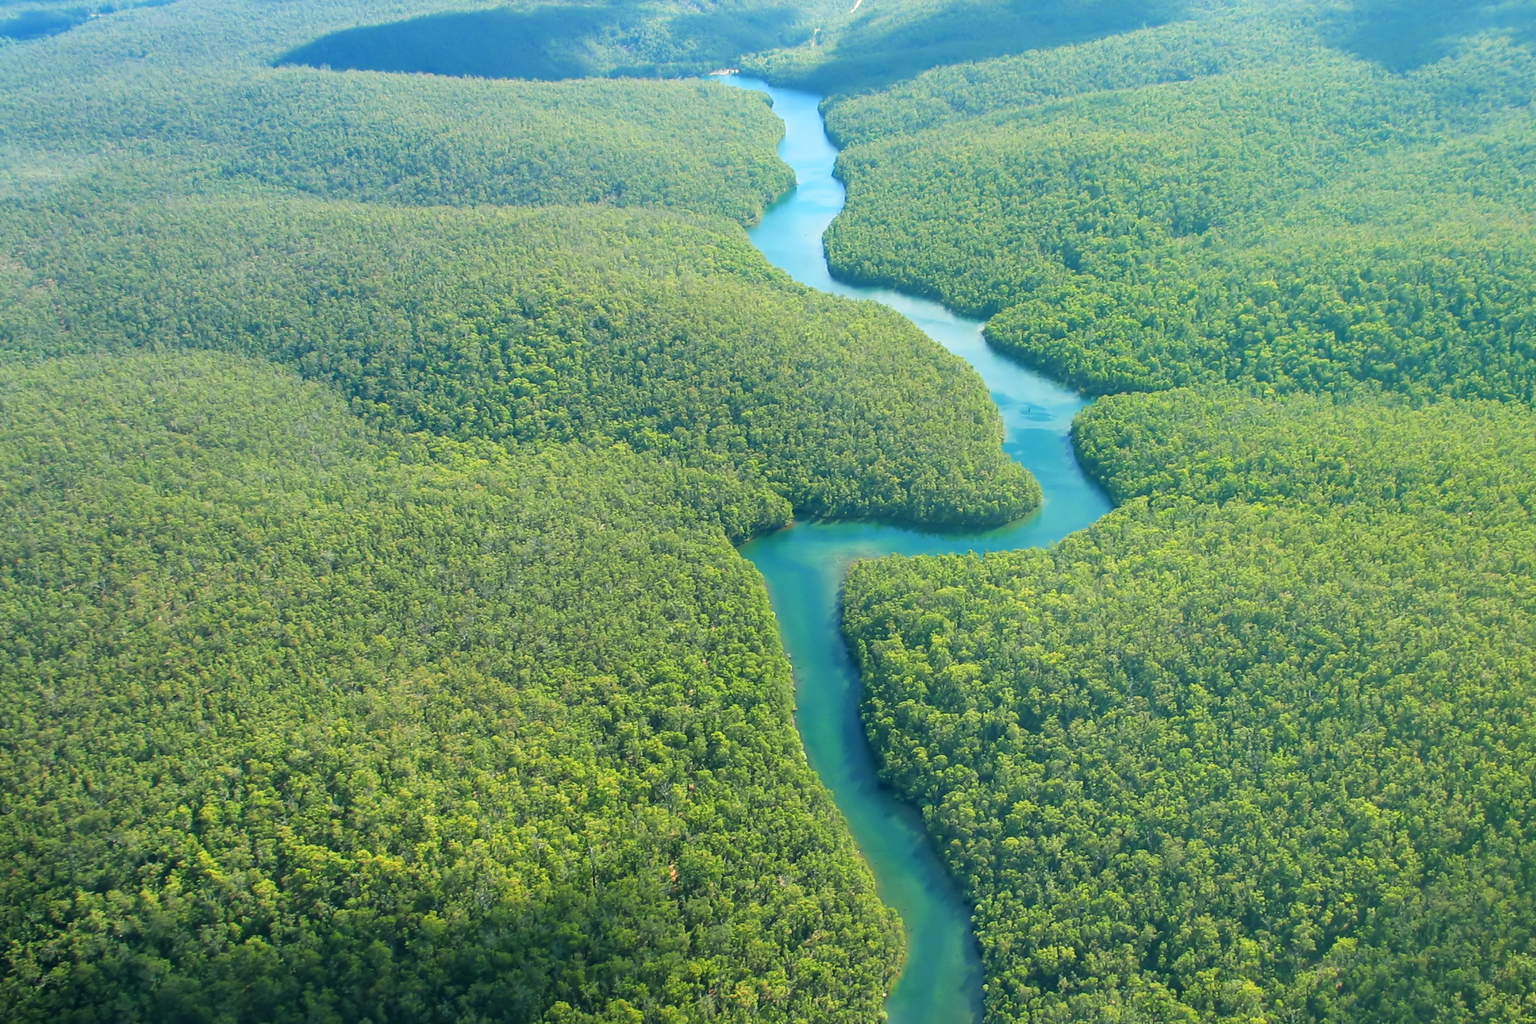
804,566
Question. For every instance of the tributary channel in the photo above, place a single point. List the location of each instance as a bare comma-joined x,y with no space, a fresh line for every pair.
805,564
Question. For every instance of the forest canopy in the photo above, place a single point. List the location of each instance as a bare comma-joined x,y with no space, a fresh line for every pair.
308,721
878,43
414,141
1256,746
829,47
374,446
670,334
557,41
1228,198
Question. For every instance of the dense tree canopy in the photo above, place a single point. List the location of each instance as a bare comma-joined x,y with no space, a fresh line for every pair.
557,41
420,140
671,334
1224,199
1467,459
1256,747
373,446
875,44
307,722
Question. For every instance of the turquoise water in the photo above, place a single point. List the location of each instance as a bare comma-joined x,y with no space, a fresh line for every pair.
805,564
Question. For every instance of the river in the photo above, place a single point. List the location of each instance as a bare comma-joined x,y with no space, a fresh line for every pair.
805,564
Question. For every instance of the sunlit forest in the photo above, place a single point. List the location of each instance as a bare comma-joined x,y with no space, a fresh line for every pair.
1236,198
374,449
667,334
385,390
1257,745
305,719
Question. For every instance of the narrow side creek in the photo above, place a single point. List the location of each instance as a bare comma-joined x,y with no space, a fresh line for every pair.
805,564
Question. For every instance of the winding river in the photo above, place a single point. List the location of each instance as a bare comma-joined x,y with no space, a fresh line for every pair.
805,564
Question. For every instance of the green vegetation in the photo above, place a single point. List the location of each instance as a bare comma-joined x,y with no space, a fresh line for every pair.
879,42
520,327
188,89
815,44
1255,747
1224,199
373,446
1464,459
1405,34
33,19
555,41
158,213
308,722
425,141
39,22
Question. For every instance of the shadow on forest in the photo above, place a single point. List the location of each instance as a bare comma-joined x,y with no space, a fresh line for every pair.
545,43
39,23
878,49
551,42
36,24
1406,34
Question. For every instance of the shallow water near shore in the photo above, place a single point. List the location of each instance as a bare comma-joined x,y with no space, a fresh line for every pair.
804,566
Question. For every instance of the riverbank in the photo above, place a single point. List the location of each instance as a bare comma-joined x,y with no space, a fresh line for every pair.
804,567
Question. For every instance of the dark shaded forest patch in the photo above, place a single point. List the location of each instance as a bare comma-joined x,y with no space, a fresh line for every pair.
553,42
882,47
541,44
1407,34
41,22
37,24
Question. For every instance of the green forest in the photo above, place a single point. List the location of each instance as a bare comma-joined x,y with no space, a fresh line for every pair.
374,449
384,389
668,334
560,41
306,720
1230,199
882,43
1256,746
